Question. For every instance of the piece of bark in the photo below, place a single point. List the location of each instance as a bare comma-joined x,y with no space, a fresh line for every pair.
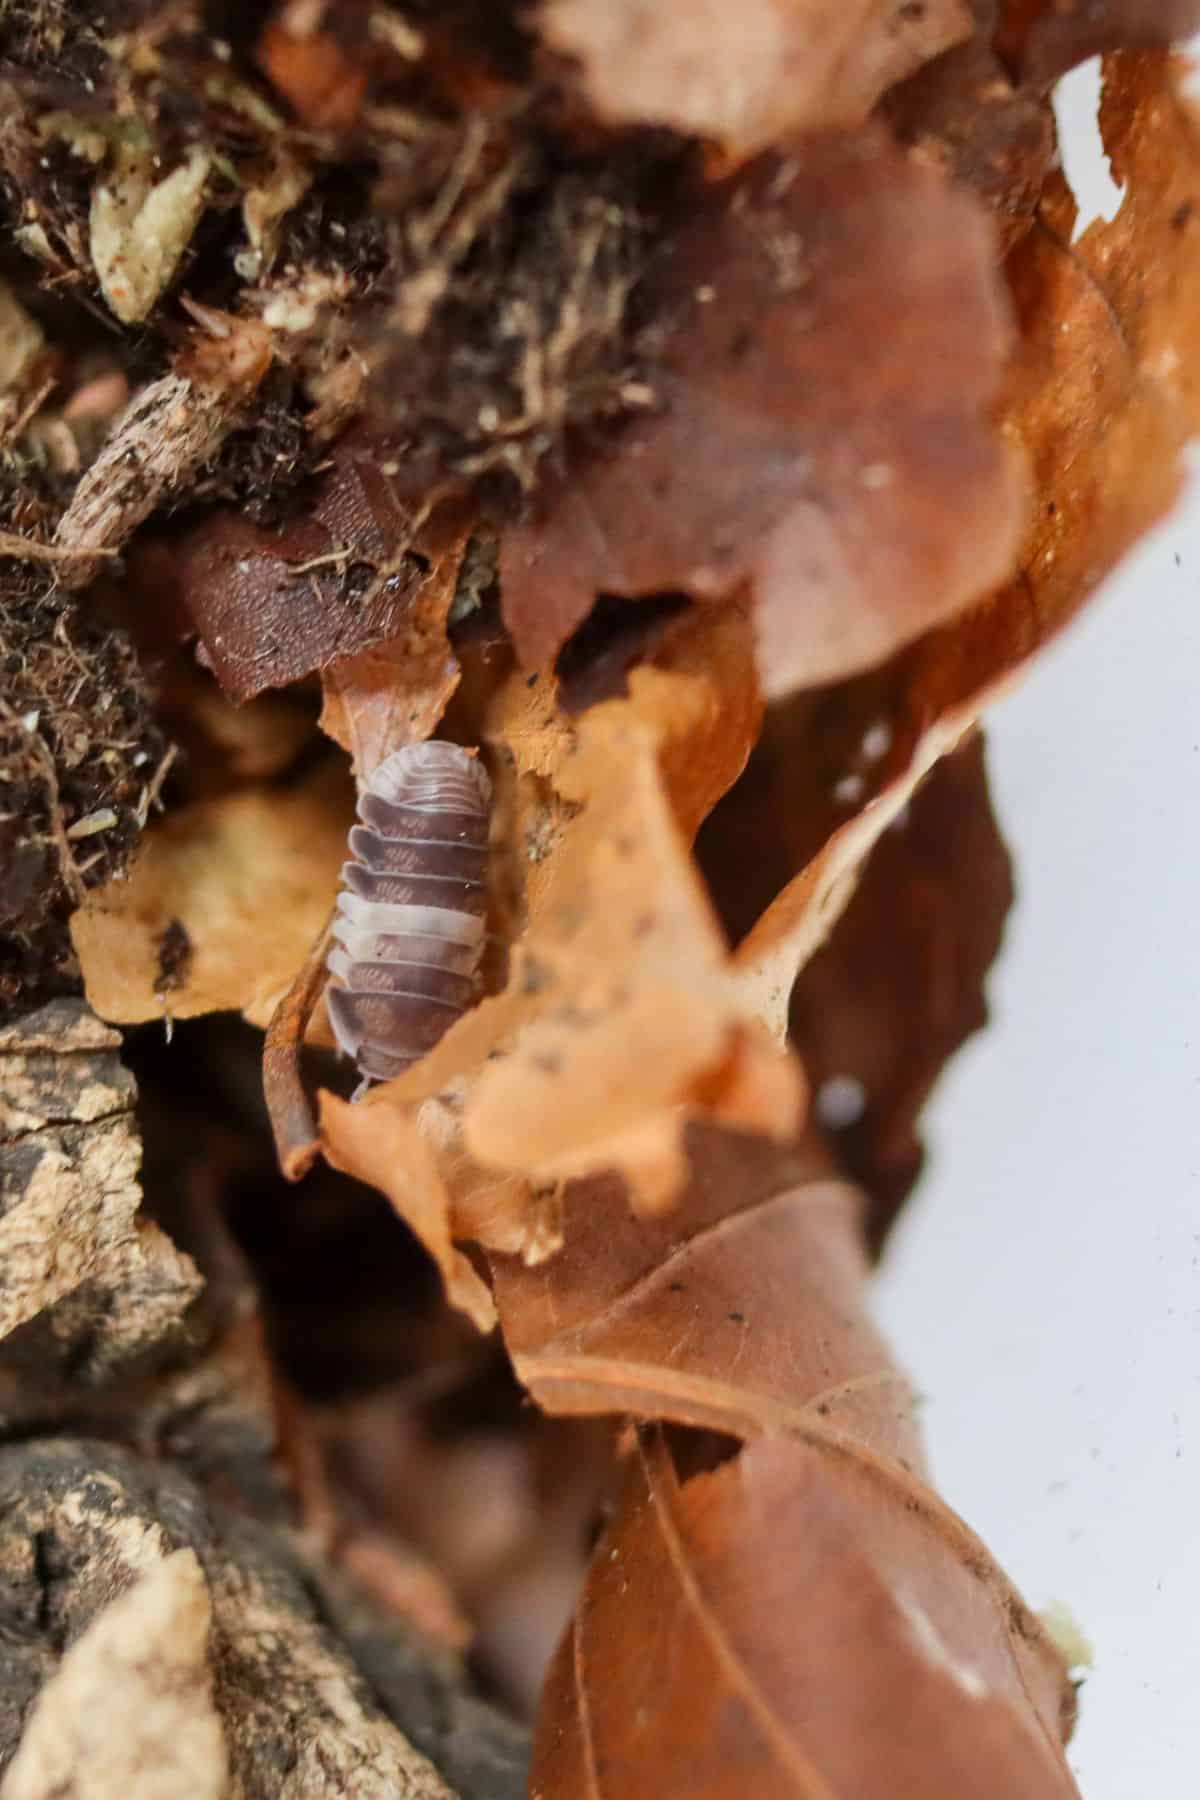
86,1285
129,1710
162,439
82,1525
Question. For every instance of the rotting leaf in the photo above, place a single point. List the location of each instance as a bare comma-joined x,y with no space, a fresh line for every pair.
751,75
364,566
821,423
918,1669
1102,397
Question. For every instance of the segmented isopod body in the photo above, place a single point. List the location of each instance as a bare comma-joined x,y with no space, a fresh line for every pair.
411,916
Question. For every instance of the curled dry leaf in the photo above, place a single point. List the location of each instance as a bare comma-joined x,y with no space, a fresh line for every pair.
129,1710
919,1669
965,116
249,878
86,1284
362,568
821,427
1044,38
750,75
621,949
1102,397
898,986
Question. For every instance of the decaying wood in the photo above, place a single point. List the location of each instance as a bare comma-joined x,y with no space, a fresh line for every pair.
202,1661
86,1285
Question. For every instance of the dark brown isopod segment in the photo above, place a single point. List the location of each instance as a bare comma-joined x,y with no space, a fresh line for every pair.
410,922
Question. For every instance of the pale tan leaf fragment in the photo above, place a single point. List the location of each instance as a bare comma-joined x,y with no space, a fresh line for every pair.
250,877
751,74
139,227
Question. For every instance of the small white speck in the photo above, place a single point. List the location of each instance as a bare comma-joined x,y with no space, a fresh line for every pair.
841,1101
877,741
849,790
877,475
31,720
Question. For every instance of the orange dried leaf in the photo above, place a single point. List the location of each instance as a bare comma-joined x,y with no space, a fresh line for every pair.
385,1147
748,75
619,1020
821,424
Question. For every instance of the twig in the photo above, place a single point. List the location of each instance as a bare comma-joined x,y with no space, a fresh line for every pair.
30,550
297,1143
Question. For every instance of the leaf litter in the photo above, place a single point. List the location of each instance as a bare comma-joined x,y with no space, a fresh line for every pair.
705,447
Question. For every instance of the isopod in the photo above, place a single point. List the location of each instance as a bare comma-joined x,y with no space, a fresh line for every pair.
411,917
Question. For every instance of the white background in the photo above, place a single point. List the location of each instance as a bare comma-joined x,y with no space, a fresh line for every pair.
1044,1285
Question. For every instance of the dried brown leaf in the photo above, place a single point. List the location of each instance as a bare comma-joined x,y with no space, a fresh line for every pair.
899,984
801,1621
1102,397
965,116
396,692
250,877
749,75
820,424
834,1628
1044,38
365,565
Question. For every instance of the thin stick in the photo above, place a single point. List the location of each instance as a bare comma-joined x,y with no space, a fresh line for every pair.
297,1143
